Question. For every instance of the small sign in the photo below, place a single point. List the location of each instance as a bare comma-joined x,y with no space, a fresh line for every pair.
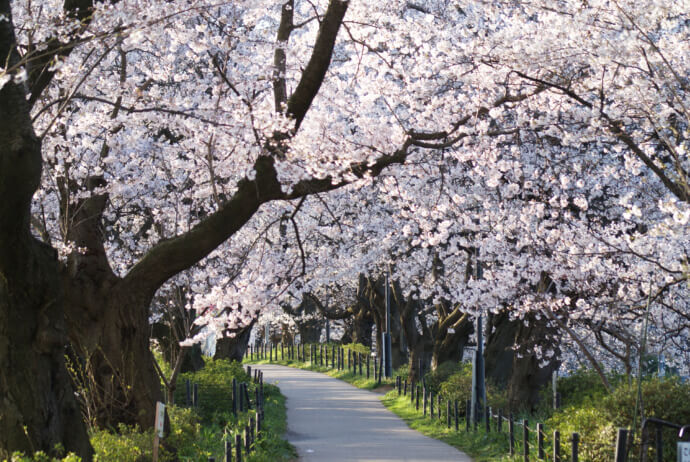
683,452
160,418
451,330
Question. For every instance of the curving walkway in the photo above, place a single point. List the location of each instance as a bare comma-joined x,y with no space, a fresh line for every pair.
331,420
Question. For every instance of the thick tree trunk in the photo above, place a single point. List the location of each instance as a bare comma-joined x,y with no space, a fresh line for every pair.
362,324
233,348
37,407
498,354
521,374
310,330
451,346
109,331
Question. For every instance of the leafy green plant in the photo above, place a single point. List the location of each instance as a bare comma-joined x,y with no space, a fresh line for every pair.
41,456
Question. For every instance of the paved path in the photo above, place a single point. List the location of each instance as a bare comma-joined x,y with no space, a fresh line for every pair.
331,420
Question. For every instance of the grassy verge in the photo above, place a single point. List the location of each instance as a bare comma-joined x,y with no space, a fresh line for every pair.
479,445
197,433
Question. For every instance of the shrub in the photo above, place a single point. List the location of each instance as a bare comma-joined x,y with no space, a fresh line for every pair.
458,386
41,456
596,416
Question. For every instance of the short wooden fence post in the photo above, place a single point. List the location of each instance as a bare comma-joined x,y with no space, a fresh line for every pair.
621,445
575,447
457,417
525,440
556,446
659,440
499,421
448,415
228,449
238,447
487,419
468,413
540,441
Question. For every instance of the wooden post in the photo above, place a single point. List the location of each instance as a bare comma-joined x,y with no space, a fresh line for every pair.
525,440
252,426
487,419
540,441
405,388
425,399
241,397
368,361
556,446
431,398
360,360
417,399
238,447
158,428
457,417
621,445
499,421
195,395
659,444
247,441
228,449
448,414
440,417
576,444
188,395
246,396
468,413
511,435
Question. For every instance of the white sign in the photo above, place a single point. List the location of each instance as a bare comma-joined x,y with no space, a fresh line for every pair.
683,452
160,418
451,330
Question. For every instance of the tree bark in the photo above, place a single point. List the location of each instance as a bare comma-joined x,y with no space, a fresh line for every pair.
520,371
451,346
37,406
233,348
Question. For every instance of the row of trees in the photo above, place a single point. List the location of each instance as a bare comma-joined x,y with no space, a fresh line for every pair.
522,159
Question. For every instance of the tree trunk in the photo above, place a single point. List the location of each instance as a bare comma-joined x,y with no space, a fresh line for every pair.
109,331
521,374
498,354
362,323
528,377
37,406
450,347
233,348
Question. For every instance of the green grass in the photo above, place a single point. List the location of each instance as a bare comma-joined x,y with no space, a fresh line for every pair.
477,444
